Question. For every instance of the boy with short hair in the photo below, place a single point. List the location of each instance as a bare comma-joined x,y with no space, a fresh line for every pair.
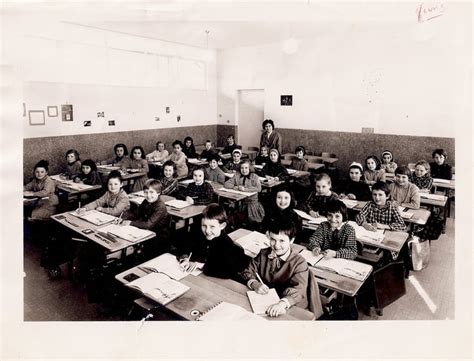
222,258
439,168
213,172
208,150
317,201
283,268
231,146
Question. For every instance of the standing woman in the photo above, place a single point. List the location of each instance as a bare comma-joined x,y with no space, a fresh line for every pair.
270,137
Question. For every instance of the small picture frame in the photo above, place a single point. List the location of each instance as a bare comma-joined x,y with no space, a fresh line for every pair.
286,100
52,111
67,112
112,123
36,117
100,115
167,110
87,123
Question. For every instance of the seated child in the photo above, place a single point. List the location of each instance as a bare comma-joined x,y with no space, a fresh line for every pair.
421,177
233,166
73,167
213,172
380,212
89,174
404,193
355,188
316,205
282,267
208,150
169,182
222,258
247,181
388,165
137,164
372,172
179,158
299,163
262,157
114,201
199,192
335,237
189,150
230,147
159,154
152,214
439,168
121,155
43,188
274,170
282,208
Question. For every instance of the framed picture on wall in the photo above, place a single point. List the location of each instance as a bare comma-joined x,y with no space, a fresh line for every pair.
286,100
66,110
52,111
36,117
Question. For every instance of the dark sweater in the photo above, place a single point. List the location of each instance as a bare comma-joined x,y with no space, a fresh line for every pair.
190,152
361,190
201,195
92,179
318,203
261,160
275,170
443,171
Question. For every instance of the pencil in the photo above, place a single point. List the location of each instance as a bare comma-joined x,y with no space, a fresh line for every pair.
259,279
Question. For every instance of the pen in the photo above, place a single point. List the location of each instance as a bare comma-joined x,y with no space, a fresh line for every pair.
259,279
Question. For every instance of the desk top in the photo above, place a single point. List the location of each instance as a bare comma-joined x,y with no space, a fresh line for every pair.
72,187
216,187
205,292
78,225
330,160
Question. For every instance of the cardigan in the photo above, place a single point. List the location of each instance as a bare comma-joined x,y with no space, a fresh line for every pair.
387,214
152,216
232,167
408,196
190,152
228,149
318,203
390,167
201,195
205,154
93,178
273,141
261,160
215,175
443,171
423,182
180,161
140,164
113,204
168,185
345,245
43,188
372,176
73,169
275,170
157,156
116,160
360,189
301,164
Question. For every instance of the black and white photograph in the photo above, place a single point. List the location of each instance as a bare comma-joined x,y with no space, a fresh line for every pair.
340,222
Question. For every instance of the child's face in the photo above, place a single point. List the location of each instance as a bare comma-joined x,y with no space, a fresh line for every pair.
188,143
236,157
264,152
420,170
71,158
160,147
230,140
299,154
245,169
114,185
371,164
40,173
283,200
137,154
323,187
177,149
355,174
274,157
151,195
439,159
268,128
335,220
402,179
198,177
379,197
213,164
168,171
119,152
208,146
211,228
387,158
280,243
86,169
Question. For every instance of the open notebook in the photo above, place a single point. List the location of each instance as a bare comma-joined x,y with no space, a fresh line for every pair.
178,204
169,265
310,219
350,203
159,287
248,194
349,268
224,311
310,258
252,243
94,217
364,235
128,233
260,303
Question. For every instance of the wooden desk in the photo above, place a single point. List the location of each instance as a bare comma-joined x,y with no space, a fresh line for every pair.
204,292
70,188
197,162
328,160
220,193
78,225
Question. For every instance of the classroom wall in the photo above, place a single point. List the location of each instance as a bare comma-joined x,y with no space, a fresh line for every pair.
403,77
100,147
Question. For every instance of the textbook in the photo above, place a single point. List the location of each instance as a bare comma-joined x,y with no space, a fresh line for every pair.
310,219
439,180
128,233
176,203
310,257
248,194
260,303
224,311
159,287
252,243
94,217
167,264
345,267
350,203
136,198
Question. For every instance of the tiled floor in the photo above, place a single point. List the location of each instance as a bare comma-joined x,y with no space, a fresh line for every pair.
430,292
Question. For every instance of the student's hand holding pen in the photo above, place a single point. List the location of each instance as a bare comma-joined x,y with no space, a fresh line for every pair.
81,210
314,214
259,287
185,264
